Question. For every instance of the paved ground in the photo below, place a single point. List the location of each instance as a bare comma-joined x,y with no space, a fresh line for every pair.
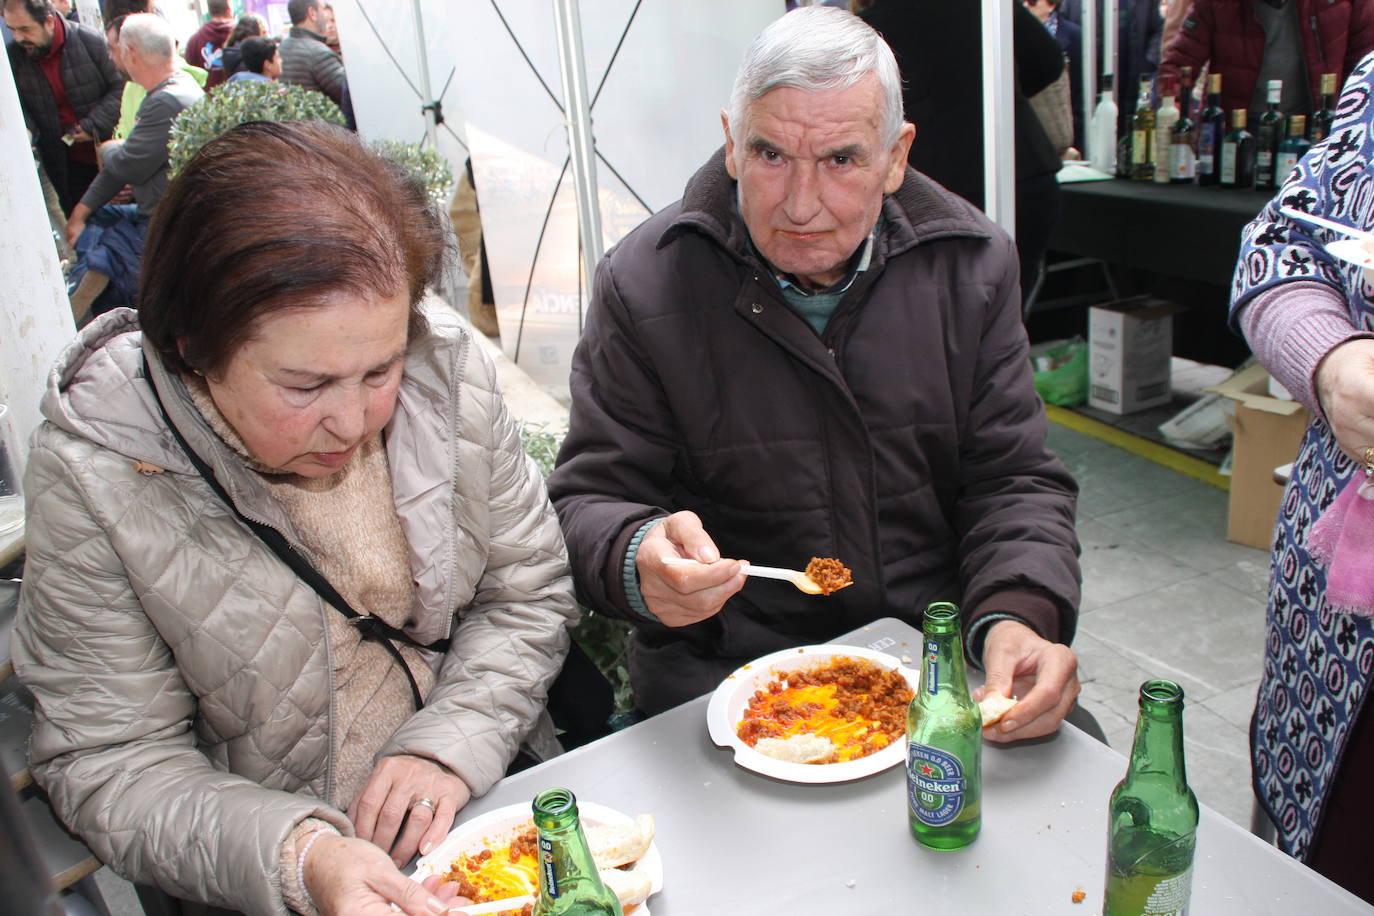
1166,595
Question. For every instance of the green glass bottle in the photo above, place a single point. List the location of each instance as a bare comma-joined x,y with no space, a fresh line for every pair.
944,738
1143,134
1319,127
1152,826
1268,136
568,880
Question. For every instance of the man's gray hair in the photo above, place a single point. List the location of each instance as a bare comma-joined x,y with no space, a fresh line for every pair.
148,36
818,48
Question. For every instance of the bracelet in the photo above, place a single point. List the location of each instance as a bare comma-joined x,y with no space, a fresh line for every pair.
300,865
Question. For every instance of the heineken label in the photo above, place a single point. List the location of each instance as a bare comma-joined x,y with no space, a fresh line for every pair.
546,863
932,667
935,784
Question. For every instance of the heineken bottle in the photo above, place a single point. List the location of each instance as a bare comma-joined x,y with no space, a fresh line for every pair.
568,880
1152,826
944,741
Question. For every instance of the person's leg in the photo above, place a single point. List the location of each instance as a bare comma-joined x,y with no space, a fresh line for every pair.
57,218
79,178
1338,850
106,273
92,284
1037,211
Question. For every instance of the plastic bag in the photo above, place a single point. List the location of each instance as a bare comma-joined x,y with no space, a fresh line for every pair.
1061,372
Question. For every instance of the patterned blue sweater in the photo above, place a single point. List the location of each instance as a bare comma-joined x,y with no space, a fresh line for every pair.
1318,662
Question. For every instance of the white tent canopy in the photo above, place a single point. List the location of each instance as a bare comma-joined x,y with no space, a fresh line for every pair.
658,74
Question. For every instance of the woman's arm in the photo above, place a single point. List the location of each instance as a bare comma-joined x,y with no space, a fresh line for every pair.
511,640
113,741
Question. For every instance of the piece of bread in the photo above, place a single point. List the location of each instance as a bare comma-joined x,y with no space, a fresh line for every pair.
613,845
798,748
630,885
994,706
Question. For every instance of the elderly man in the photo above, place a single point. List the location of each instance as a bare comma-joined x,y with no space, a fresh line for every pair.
69,91
306,59
147,52
817,352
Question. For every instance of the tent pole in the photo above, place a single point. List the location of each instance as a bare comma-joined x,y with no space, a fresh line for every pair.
431,112
578,117
999,146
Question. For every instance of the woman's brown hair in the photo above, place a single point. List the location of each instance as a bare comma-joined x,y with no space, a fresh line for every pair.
272,216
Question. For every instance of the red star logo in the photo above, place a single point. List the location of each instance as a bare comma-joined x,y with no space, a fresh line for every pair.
927,770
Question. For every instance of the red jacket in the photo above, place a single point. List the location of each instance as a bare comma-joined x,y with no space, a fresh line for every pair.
214,33
1336,34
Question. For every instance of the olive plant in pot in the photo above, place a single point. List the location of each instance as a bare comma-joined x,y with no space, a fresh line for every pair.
239,103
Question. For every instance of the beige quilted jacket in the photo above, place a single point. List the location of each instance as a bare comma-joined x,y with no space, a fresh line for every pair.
182,672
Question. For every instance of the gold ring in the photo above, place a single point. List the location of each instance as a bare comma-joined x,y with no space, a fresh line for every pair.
422,803
1369,461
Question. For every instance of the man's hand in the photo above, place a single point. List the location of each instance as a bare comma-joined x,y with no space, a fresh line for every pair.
78,133
76,223
682,594
351,877
1021,663
1345,387
391,796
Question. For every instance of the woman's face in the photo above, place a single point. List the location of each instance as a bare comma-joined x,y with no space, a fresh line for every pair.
312,384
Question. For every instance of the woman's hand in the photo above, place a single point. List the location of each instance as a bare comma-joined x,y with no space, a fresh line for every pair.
350,877
1345,388
393,795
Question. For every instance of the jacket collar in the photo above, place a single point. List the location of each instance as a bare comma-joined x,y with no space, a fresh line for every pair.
299,31
920,211
59,37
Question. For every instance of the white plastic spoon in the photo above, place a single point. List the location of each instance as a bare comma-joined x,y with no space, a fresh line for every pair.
1323,222
798,578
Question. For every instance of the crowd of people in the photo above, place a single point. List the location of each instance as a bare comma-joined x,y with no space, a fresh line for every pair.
292,584
99,110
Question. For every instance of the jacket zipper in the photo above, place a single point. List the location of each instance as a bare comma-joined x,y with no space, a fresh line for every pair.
1317,39
838,383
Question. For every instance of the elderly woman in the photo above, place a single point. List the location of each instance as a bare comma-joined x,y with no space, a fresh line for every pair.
294,594
1308,316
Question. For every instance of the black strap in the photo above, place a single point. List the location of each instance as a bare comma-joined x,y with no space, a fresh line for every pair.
369,626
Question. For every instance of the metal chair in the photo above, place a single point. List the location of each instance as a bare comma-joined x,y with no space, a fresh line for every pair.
30,828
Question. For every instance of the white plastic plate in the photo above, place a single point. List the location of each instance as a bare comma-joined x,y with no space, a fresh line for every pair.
496,828
726,710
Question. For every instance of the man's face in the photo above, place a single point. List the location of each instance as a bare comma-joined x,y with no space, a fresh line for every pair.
112,42
812,172
1041,8
34,37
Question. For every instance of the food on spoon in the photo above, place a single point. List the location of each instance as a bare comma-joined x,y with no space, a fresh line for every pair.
856,704
828,573
798,748
508,866
994,706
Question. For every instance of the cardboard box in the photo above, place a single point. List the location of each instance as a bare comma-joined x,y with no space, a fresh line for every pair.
1268,432
1129,345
